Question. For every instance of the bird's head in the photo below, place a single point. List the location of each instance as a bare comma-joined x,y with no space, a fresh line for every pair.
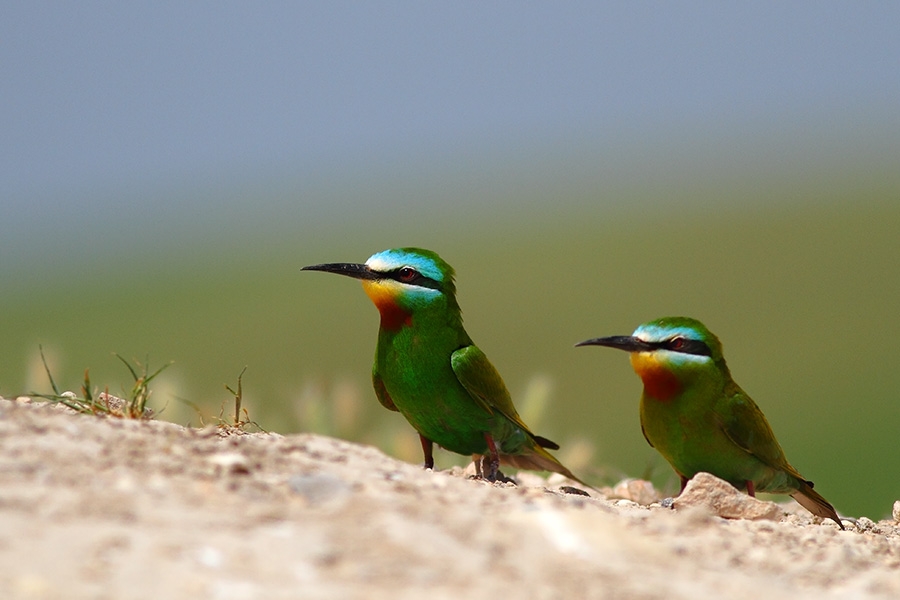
667,353
401,282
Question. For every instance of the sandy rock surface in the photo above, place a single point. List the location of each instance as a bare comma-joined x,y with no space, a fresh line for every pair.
94,507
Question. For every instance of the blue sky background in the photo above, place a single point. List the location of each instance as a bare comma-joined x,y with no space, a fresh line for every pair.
102,101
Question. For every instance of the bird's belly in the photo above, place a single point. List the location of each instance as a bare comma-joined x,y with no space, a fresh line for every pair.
426,391
439,408
710,456
446,421
694,443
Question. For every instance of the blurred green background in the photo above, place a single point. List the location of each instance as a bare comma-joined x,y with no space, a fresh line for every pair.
802,290
584,170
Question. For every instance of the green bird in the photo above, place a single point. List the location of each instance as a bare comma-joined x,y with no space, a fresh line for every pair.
428,369
699,419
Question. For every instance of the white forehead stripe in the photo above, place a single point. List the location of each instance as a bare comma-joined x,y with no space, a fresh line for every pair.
654,333
378,263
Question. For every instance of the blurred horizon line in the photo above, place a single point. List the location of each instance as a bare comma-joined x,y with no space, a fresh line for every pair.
669,171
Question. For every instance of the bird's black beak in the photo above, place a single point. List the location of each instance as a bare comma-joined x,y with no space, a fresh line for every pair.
353,270
629,343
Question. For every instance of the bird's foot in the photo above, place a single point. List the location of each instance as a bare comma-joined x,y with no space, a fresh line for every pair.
490,468
487,470
491,471
499,477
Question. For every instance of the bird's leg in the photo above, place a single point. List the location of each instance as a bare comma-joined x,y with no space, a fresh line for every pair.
751,489
427,448
494,465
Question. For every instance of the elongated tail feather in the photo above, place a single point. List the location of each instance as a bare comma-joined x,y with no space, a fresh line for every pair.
545,443
538,459
812,501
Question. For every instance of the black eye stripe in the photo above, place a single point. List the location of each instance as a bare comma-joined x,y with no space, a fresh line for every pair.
684,345
410,276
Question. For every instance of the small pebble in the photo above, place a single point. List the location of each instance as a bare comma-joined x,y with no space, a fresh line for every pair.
636,490
865,524
724,500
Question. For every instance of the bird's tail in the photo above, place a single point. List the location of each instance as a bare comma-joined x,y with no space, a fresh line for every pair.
538,459
812,501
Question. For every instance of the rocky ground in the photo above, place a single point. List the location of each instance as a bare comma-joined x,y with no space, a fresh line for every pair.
100,507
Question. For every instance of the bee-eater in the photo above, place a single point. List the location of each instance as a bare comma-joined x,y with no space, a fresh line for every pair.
428,369
699,419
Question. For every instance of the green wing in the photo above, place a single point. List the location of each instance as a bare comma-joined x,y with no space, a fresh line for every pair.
381,392
483,382
746,426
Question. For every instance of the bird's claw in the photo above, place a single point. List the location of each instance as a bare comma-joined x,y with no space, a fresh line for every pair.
489,471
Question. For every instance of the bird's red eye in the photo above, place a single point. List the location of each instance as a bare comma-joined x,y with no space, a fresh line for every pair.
677,343
407,274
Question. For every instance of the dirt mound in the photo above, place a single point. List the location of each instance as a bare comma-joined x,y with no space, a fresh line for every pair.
97,507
